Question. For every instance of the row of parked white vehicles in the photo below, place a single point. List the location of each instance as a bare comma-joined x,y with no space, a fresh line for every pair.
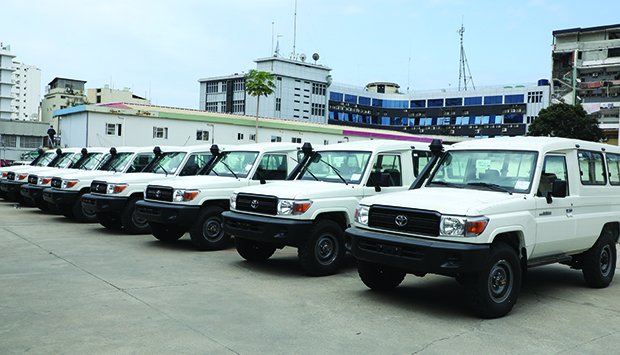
482,211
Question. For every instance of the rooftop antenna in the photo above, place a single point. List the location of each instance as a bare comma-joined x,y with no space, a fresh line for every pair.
464,72
295,29
272,37
408,74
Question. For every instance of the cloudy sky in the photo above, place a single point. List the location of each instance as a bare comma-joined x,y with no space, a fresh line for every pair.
161,48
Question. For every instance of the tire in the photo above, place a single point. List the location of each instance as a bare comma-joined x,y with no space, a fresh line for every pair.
494,290
254,251
324,250
131,222
109,221
82,215
599,263
379,277
167,233
208,231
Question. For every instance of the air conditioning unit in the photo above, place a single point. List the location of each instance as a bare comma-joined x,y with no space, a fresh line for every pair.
451,131
477,131
504,130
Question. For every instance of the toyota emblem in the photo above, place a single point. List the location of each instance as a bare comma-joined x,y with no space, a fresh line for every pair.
158,193
401,220
254,204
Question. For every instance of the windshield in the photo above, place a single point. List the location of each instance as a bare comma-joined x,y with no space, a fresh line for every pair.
117,162
496,170
46,159
91,161
239,162
336,166
167,163
68,159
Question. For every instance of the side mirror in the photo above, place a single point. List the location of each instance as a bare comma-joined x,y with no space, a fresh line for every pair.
558,188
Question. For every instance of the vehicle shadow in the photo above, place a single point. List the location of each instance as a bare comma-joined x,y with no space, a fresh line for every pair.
287,264
184,244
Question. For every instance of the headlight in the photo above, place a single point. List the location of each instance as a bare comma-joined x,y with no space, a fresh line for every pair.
361,214
184,195
115,188
67,184
233,201
288,207
453,226
44,180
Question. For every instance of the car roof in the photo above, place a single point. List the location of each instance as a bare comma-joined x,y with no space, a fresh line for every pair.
374,145
264,147
541,144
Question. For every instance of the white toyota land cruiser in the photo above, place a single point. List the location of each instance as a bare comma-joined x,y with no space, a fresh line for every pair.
312,211
490,209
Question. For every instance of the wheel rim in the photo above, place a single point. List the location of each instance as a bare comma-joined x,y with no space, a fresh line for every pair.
212,230
137,221
89,213
605,260
500,281
326,249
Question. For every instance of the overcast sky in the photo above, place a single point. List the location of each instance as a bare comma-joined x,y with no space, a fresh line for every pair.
164,47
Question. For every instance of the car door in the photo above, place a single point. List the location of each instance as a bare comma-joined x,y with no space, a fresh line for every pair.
555,222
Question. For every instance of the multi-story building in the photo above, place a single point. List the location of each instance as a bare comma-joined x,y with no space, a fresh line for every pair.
304,92
107,95
61,93
26,92
6,82
586,71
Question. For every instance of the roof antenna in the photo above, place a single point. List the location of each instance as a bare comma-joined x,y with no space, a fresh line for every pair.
463,73
295,29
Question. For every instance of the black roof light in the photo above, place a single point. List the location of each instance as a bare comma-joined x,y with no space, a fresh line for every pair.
215,150
157,151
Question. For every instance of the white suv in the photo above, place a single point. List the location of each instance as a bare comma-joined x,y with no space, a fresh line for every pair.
311,212
490,209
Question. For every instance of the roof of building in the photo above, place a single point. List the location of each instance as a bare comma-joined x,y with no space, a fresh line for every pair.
586,29
144,110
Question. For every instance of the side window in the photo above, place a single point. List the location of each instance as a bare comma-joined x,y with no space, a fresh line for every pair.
272,167
194,163
613,163
420,159
386,171
591,168
140,162
554,169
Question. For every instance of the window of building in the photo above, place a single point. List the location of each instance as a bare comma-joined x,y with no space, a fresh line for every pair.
613,52
202,135
212,87
456,101
318,109
336,96
276,139
325,142
514,99
364,100
435,102
278,104
160,132
295,140
224,86
319,89
591,167
8,140
239,136
493,100
238,106
253,137
534,96
471,101
418,103
29,142
113,129
211,106
352,99
238,85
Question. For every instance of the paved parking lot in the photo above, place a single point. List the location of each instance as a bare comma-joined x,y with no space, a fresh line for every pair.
68,288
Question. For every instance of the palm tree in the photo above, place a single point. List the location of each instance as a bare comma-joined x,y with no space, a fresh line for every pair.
259,83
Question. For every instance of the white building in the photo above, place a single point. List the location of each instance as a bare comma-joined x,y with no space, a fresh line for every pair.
26,92
106,95
6,82
121,124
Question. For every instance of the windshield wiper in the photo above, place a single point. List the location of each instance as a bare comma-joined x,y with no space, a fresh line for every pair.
311,174
162,168
444,183
335,170
229,169
493,187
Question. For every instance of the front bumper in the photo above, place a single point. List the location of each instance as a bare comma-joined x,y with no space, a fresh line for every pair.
165,213
11,189
33,192
417,255
60,197
112,205
266,229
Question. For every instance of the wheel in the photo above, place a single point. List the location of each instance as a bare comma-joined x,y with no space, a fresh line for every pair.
494,290
379,277
109,221
81,214
254,251
166,232
131,222
208,231
599,263
324,250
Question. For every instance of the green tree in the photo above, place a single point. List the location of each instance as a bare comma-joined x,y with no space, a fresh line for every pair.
257,84
564,120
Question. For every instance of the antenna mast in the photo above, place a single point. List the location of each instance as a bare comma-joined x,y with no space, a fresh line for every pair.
295,29
464,72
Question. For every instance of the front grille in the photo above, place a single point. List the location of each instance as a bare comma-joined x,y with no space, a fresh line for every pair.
257,203
56,182
32,179
10,175
411,221
159,193
99,187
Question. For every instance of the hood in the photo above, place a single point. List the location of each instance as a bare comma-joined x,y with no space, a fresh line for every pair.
87,174
51,172
463,202
302,189
136,178
199,182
